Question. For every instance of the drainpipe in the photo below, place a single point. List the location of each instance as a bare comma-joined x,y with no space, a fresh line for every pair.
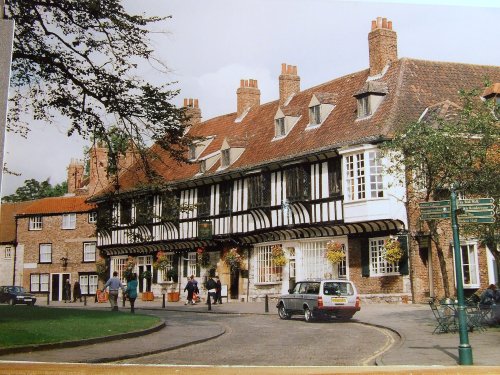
248,278
14,266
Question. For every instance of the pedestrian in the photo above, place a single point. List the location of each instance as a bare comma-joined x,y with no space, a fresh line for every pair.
190,289
211,287
131,291
218,290
196,291
114,284
77,292
489,296
67,291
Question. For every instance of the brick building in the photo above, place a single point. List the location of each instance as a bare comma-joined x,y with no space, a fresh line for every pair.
56,241
294,173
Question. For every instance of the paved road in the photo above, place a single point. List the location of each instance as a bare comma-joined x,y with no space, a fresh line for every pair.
263,340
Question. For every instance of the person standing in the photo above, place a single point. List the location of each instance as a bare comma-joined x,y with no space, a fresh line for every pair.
190,289
218,290
77,292
196,290
114,284
132,291
212,292
67,291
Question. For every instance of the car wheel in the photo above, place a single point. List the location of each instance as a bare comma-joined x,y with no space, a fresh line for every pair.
283,314
308,315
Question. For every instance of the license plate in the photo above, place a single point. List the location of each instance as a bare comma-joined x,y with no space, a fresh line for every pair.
339,300
27,300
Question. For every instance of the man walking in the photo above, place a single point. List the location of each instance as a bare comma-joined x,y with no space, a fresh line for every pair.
114,284
211,290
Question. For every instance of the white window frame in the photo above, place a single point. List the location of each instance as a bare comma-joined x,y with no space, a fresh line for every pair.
266,272
364,109
472,264
39,282
35,223
7,252
375,174
162,274
118,264
89,251
191,264
280,128
313,262
315,115
225,160
69,221
45,253
92,217
378,265
88,284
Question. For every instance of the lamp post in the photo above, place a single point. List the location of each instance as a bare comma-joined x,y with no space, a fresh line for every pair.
464,349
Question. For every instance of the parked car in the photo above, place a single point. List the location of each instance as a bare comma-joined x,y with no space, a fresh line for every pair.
320,299
14,295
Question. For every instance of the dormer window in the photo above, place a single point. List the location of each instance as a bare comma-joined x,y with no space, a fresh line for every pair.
225,158
203,166
196,148
314,115
320,107
192,152
280,127
370,97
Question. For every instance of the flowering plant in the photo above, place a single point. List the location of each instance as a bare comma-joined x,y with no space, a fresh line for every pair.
233,259
161,262
278,255
334,252
128,271
393,251
203,257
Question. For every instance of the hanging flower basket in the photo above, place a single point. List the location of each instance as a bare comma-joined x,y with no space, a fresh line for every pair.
278,255
129,268
393,251
334,252
203,257
233,259
161,262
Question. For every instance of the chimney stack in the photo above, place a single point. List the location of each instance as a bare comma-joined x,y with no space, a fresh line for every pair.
289,82
193,112
248,95
383,45
75,175
98,175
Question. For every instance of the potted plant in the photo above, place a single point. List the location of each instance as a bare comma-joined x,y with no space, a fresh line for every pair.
233,259
334,252
278,255
148,294
393,251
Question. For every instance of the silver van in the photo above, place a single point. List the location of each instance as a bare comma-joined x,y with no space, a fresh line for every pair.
320,299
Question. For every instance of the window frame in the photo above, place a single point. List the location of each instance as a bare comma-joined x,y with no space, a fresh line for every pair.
85,252
364,107
258,190
279,127
92,217
162,274
363,176
335,177
225,160
68,221
470,266
35,223
125,212
88,287
298,183
40,253
378,265
7,252
315,115
38,281
203,201
225,201
266,272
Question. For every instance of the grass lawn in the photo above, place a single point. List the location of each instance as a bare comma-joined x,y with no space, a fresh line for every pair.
27,325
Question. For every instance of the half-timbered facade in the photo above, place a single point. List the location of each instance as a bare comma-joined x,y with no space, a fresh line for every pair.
297,172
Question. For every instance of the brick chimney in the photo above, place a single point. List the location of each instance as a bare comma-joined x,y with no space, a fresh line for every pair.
75,175
248,95
193,111
383,45
289,82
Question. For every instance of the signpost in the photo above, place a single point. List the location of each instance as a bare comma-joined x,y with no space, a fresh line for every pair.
460,211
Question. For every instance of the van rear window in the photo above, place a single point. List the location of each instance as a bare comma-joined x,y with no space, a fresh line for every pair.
337,289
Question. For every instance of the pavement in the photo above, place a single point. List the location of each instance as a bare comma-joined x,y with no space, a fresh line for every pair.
409,325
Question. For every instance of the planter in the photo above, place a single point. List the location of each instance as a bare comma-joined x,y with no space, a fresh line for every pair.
172,296
148,296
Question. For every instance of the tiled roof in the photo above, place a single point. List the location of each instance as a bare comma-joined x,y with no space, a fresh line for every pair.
57,205
8,213
412,85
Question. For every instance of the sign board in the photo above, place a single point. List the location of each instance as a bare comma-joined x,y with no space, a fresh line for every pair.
424,205
465,202
476,220
205,230
434,216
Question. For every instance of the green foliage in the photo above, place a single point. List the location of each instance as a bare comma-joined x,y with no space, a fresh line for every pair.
79,59
26,325
33,189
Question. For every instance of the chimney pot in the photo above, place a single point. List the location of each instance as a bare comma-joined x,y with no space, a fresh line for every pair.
248,95
384,23
383,47
283,68
185,102
374,25
289,82
196,103
389,25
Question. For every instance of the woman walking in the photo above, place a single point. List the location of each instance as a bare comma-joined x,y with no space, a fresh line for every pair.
131,291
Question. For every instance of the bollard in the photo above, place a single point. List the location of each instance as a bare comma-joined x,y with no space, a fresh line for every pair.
85,300
48,299
163,303
266,305
209,301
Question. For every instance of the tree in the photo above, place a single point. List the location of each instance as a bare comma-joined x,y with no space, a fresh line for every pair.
33,189
460,148
79,59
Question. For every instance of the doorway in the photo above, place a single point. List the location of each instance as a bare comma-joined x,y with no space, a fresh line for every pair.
234,283
57,282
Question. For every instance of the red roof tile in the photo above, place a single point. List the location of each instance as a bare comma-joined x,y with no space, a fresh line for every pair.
8,212
57,205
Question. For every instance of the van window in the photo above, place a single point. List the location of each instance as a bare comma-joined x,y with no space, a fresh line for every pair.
313,288
337,288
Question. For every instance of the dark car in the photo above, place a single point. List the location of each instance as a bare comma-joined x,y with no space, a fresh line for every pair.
14,295
320,299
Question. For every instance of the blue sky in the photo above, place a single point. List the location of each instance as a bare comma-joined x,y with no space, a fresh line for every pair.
210,45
